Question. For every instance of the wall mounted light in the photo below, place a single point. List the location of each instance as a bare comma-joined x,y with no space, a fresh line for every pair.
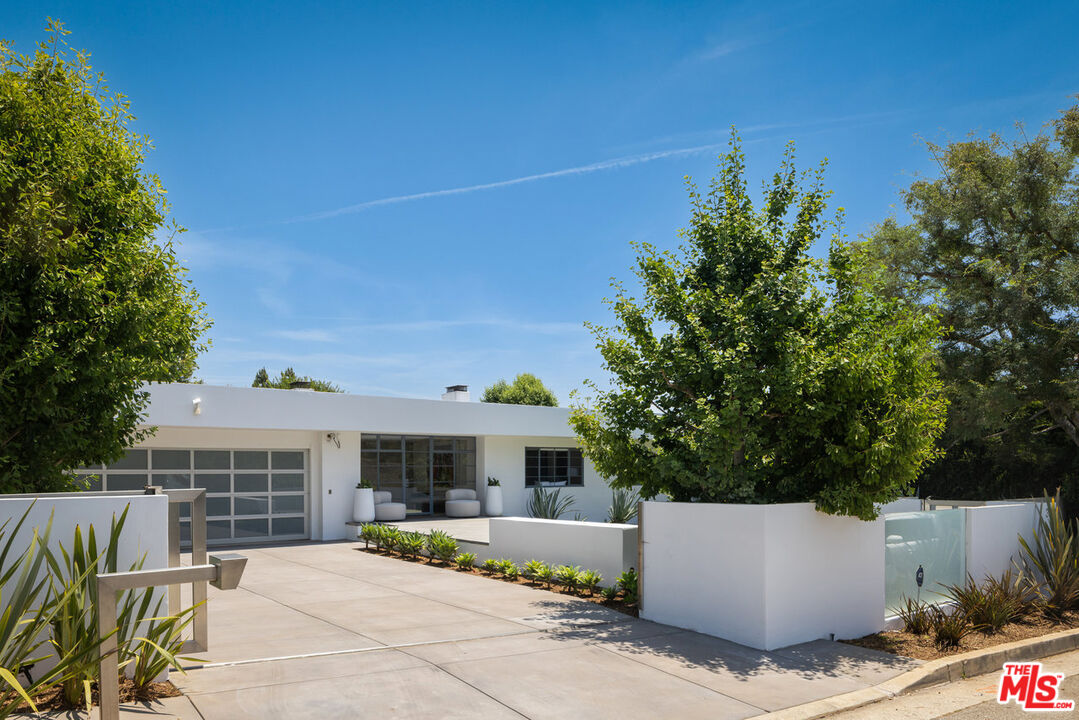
196,406
332,437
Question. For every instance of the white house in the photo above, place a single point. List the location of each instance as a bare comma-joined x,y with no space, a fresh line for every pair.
282,464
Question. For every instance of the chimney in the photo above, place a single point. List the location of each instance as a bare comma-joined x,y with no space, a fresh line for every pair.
456,393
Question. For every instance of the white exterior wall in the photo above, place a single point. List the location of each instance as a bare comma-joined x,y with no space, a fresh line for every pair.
901,505
767,576
993,536
504,458
606,548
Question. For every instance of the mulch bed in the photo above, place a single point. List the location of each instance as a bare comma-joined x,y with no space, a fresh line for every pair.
51,699
922,647
617,604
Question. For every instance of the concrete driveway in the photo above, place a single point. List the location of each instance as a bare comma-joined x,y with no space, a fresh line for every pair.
326,631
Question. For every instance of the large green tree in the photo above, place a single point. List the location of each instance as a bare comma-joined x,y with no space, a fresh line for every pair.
92,300
993,242
526,389
752,373
287,377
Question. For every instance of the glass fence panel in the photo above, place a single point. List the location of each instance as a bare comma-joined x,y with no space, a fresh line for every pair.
934,541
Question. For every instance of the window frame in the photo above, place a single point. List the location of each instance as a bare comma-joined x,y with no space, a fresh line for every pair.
565,459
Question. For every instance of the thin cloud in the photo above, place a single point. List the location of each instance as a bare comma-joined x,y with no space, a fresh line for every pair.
613,164
324,336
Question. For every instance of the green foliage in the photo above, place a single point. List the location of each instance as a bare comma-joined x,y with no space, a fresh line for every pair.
989,605
628,581
93,302
568,576
491,566
589,580
441,546
950,626
508,569
547,503
411,543
526,389
389,538
991,244
465,560
157,650
610,593
545,574
915,617
1013,591
623,507
369,533
1051,561
287,377
492,482
533,569
751,373
26,615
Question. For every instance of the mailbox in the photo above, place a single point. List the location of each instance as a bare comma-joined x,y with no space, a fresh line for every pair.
230,568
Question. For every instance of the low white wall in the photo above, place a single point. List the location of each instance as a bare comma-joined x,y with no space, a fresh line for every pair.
607,548
767,576
901,505
993,536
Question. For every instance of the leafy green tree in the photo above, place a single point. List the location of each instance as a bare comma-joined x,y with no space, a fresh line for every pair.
526,389
92,300
994,244
287,377
751,373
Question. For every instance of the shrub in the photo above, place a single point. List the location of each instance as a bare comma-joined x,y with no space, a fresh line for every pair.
949,627
465,560
590,580
155,651
1051,561
491,566
623,507
548,504
915,616
532,569
1012,588
369,534
391,538
412,543
610,593
441,546
508,569
628,582
991,605
545,574
568,575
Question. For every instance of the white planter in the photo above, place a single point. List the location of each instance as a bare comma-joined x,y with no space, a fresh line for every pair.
363,505
494,500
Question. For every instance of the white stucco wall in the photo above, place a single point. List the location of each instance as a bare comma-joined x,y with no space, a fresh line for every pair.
766,576
901,505
604,547
504,458
992,534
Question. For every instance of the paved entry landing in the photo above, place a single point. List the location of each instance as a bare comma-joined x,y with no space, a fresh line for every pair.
327,631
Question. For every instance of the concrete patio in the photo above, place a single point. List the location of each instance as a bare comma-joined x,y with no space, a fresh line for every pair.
327,631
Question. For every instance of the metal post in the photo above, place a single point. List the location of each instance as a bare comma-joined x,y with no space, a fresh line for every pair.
200,625
174,554
640,556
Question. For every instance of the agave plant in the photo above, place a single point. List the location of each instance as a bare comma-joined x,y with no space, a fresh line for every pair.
548,504
545,574
441,546
915,616
623,507
465,560
491,566
610,593
369,534
156,650
568,575
589,580
533,569
508,569
391,538
411,544
1051,561
628,581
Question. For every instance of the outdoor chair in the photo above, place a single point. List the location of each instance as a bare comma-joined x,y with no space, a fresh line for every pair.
462,502
386,509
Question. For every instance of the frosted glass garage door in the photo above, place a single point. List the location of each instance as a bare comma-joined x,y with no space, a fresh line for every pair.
251,495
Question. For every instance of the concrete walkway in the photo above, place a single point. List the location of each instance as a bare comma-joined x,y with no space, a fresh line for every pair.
327,631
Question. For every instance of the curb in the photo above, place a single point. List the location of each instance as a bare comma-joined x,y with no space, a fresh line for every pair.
935,672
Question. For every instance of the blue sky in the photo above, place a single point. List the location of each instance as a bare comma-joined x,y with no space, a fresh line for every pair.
309,150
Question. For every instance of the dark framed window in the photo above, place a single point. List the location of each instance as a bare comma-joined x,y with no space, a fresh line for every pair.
553,466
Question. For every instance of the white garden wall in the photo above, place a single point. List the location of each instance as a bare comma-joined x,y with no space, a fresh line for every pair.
993,536
607,548
766,576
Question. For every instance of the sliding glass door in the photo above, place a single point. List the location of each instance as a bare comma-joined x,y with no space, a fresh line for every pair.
418,470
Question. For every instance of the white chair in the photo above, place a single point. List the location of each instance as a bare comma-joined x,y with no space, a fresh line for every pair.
462,502
386,510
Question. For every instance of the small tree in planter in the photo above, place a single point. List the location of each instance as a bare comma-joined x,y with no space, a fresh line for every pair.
753,373
494,497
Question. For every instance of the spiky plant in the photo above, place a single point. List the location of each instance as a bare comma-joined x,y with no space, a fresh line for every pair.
623,507
589,580
915,617
441,546
1051,561
465,560
568,576
491,566
508,569
548,504
532,569
545,574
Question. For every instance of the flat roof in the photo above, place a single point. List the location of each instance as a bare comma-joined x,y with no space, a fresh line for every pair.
173,405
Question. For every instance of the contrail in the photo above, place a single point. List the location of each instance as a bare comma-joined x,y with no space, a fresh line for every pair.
612,164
